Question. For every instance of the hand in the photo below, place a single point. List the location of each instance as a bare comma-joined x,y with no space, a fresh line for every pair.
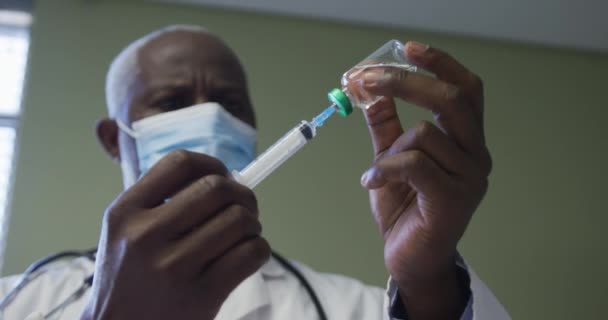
426,182
176,258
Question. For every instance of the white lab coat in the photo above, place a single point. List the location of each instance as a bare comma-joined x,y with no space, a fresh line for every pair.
272,293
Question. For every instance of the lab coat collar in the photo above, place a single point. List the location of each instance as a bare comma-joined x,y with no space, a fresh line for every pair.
248,297
252,295
272,269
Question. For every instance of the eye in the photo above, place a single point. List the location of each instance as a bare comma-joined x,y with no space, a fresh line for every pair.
171,103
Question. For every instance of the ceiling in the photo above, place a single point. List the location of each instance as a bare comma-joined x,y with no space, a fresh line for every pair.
581,24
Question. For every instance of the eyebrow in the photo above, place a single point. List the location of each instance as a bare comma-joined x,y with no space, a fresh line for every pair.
163,87
159,87
168,84
222,84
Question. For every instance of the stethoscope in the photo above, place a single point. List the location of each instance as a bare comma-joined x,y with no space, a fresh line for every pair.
32,273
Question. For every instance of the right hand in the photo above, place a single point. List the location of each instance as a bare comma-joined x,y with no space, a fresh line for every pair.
180,258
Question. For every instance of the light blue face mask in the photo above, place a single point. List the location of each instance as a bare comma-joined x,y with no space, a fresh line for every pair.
204,128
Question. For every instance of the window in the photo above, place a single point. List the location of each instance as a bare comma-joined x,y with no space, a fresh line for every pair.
14,43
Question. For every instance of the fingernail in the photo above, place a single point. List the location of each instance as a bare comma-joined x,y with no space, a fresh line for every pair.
416,47
364,178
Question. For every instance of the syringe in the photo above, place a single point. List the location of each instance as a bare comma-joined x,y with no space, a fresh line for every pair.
291,142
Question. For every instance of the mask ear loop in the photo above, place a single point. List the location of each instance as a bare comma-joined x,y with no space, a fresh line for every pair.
126,129
129,177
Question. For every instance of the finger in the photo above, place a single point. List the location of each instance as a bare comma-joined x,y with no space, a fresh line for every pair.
210,240
412,167
443,65
202,200
429,139
238,263
447,101
172,173
383,124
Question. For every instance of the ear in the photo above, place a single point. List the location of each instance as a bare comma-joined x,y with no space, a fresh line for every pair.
107,135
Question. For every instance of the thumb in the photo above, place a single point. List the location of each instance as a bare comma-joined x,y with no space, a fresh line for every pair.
383,124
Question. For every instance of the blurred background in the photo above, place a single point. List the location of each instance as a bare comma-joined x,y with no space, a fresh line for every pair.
538,238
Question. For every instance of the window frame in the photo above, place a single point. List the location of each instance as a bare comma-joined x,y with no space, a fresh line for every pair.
19,22
9,121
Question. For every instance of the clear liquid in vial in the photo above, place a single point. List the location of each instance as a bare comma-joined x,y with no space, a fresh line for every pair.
352,84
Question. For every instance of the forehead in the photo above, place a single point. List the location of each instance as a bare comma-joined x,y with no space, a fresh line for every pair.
185,54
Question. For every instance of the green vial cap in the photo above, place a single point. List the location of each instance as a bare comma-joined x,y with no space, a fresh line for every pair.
341,100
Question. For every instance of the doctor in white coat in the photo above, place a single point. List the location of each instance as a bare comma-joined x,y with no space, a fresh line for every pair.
180,119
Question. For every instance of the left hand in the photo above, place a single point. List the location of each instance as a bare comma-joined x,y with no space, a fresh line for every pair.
426,182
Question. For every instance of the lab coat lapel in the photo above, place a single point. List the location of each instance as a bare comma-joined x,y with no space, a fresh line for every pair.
249,297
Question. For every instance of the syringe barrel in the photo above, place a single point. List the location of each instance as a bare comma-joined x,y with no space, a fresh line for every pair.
274,156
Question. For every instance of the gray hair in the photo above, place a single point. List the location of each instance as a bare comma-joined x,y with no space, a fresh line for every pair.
125,67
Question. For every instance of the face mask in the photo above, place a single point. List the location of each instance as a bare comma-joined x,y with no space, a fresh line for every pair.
204,128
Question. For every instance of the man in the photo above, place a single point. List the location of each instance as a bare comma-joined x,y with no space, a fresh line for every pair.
183,240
